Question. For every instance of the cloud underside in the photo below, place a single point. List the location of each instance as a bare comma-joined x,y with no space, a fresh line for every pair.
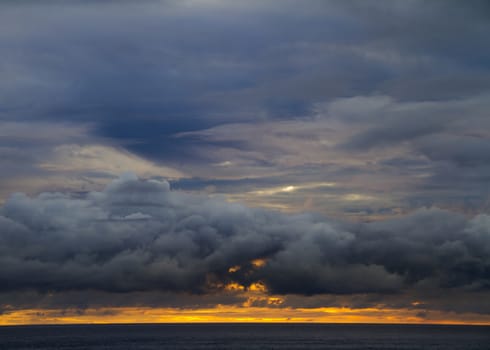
138,242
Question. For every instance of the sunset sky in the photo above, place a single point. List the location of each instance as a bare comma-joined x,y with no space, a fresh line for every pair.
245,161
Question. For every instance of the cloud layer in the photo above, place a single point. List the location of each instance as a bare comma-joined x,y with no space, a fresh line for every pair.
140,236
386,99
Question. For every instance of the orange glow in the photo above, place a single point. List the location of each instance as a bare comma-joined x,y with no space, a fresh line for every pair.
275,301
234,269
258,263
230,314
258,306
257,287
233,286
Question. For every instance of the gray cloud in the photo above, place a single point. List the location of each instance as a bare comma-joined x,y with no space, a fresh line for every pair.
363,109
138,236
141,75
463,151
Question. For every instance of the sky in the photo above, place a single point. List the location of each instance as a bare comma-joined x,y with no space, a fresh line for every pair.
226,161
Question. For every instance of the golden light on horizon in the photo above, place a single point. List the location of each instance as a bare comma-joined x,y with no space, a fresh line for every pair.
232,314
258,307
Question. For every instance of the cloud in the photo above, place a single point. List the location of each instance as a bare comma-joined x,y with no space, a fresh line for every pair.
254,61
103,159
306,92
463,151
138,236
400,154
42,156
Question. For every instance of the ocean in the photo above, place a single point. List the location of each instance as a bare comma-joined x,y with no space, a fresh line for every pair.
245,336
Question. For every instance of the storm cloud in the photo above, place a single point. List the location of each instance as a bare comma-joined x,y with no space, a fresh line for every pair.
140,236
324,152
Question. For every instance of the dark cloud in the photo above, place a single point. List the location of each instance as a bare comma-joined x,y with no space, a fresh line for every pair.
363,109
178,66
140,237
463,151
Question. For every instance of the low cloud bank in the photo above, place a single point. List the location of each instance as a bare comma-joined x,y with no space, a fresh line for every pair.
139,236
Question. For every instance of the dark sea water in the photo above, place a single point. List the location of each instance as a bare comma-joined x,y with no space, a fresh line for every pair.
245,336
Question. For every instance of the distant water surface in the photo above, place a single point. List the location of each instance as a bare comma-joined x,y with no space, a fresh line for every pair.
245,336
